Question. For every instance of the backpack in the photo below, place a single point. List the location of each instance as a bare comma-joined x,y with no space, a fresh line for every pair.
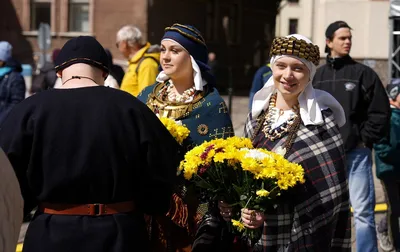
38,83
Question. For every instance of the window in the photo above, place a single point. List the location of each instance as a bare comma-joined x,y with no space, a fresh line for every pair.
40,13
78,16
293,24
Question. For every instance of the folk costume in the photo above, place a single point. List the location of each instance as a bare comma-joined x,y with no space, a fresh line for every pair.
204,112
314,216
91,179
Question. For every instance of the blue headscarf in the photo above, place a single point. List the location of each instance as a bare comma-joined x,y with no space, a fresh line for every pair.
192,40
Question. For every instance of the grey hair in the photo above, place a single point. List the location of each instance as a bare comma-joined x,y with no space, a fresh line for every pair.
131,34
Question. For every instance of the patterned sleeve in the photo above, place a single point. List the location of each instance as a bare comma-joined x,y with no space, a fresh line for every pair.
318,218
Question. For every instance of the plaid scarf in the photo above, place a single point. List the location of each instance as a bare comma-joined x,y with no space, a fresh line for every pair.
314,216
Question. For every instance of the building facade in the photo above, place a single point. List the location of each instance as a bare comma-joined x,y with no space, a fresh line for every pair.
369,20
238,31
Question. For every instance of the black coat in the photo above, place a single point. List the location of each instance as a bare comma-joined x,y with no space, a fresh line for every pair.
89,145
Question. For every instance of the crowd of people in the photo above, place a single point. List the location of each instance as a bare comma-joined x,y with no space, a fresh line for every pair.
92,157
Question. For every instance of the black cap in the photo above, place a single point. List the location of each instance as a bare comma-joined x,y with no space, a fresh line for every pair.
331,30
82,49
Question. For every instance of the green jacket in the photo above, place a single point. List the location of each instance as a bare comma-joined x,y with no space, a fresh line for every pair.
387,150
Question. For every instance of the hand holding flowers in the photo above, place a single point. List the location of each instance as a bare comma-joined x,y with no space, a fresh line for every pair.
225,210
252,219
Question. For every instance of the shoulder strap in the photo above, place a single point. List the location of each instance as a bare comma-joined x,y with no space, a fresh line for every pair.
142,59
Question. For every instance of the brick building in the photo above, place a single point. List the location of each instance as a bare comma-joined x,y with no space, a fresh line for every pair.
250,25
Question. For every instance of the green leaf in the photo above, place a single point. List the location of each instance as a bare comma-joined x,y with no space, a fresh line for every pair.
203,184
238,189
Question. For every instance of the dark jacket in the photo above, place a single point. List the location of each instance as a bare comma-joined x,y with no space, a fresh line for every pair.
45,79
387,150
363,97
12,89
260,78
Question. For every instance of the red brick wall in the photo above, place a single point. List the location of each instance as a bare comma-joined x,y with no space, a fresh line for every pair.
11,30
110,16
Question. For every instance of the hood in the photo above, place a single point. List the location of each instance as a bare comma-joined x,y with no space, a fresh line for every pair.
48,66
153,51
14,64
155,55
149,51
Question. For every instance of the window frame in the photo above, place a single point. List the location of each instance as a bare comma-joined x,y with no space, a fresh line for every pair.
27,19
70,2
59,28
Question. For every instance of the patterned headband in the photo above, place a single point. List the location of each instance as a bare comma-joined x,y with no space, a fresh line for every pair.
189,33
295,47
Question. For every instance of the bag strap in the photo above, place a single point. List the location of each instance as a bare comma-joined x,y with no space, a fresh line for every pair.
142,59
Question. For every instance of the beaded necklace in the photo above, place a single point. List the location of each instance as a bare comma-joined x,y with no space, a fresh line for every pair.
167,92
270,118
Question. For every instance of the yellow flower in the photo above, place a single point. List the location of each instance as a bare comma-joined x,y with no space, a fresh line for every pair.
177,130
239,225
262,193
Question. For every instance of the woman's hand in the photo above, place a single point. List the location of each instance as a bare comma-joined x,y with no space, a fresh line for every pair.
225,210
252,219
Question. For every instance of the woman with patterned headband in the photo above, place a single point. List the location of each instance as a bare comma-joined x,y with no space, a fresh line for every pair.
288,113
185,91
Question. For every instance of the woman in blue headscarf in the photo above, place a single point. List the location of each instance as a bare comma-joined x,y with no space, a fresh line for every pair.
185,91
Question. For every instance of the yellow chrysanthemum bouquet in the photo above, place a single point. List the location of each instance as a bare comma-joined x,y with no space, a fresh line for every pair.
176,128
245,177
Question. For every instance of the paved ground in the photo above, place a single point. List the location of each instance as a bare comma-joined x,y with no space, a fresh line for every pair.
239,113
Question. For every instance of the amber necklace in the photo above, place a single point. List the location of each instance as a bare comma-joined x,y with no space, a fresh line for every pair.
273,113
167,92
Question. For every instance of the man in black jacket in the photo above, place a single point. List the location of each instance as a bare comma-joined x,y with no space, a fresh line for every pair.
362,95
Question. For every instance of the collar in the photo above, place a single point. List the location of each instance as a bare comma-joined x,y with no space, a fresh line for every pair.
339,62
5,70
139,54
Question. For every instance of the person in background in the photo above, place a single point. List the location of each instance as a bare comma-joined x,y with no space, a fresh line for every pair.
260,78
116,71
12,83
362,95
387,165
91,179
11,207
143,59
213,63
47,76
